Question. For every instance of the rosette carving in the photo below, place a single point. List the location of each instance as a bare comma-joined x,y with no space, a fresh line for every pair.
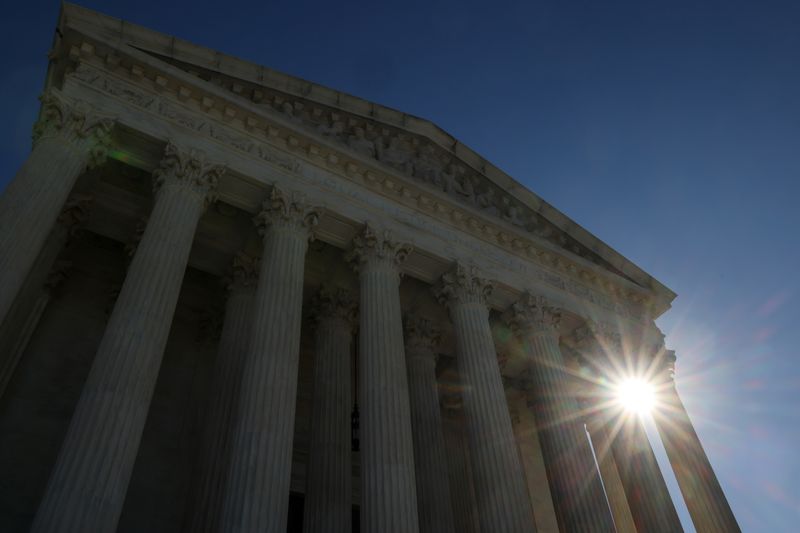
286,209
532,314
376,247
243,273
463,285
76,122
422,336
334,304
188,168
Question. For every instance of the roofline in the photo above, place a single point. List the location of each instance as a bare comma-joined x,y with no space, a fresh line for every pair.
166,45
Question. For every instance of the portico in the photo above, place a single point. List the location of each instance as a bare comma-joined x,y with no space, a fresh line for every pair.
304,253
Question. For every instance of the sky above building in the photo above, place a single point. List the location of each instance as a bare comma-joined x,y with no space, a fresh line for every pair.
671,130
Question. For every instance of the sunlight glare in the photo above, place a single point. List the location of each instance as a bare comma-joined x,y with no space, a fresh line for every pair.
636,395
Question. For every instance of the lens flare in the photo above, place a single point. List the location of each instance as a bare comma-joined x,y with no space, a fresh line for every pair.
636,395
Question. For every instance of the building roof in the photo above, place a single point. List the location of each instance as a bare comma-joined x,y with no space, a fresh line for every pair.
186,55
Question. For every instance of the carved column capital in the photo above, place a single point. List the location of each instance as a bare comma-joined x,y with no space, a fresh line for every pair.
597,337
333,305
190,169
533,314
422,337
243,274
462,285
74,122
375,248
286,209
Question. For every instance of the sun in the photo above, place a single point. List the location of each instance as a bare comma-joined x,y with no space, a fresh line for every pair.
636,395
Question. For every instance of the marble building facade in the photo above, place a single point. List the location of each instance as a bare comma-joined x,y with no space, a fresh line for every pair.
237,301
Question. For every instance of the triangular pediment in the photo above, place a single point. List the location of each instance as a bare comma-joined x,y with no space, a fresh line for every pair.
405,145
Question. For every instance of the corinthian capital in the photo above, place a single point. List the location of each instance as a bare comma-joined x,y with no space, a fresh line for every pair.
422,336
594,336
287,209
243,273
75,122
334,304
462,285
532,314
377,248
188,168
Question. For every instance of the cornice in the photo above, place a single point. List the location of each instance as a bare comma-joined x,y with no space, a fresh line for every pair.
124,34
190,102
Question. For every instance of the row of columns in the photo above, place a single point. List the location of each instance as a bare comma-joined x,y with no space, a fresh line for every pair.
246,459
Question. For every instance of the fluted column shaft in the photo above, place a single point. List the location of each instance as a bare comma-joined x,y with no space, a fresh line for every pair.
701,490
69,137
462,492
433,490
328,502
388,486
500,489
615,491
648,497
87,488
524,424
575,484
257,494
215,454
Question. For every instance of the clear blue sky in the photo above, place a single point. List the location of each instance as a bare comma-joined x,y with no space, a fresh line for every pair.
671,130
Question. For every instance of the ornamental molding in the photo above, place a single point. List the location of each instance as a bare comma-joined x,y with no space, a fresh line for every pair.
286,209
560,271
377,248
190,169
74,122
463,284
533,314
422,337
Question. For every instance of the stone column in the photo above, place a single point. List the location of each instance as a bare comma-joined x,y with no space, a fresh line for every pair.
649,501
67,137
701,490
615,491
87,488
433,490
204,511
499,483
388,487
530,452
257,494
34,295
575,484
462,492
329,493
648,497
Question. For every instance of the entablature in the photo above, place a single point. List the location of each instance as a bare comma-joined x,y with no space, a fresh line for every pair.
293,123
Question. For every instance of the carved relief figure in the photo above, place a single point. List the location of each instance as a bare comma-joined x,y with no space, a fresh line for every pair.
512,213
486,200
428,167
396,153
